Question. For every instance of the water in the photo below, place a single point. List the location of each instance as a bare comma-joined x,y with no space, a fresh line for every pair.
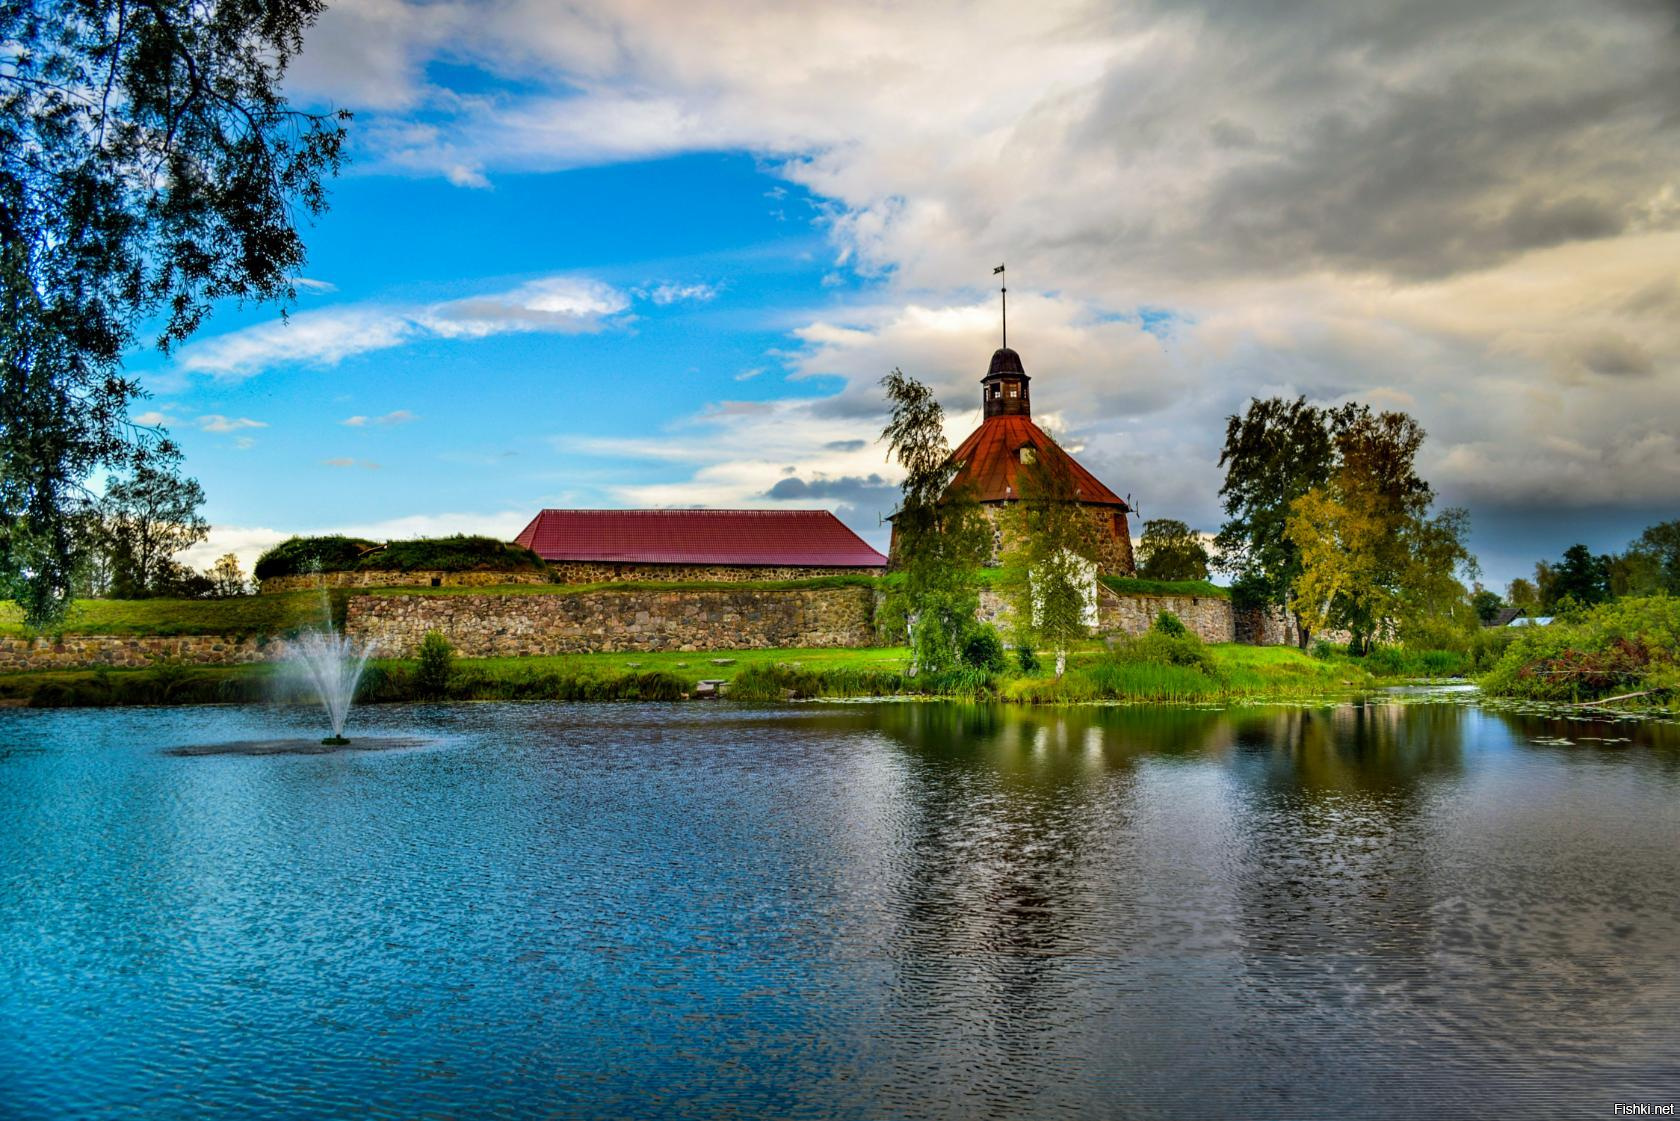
332,663
840,911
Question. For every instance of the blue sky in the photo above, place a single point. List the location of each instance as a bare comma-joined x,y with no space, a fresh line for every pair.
646,254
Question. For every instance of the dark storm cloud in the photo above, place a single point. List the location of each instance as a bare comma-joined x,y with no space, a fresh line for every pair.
846,445
847,488
1617,357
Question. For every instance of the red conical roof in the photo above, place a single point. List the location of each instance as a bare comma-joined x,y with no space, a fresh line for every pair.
991,461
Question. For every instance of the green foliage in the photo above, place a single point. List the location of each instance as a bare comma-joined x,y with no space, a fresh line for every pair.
436,666
1371,559
297,555
1487,605
1171,550
1581,576
941,538
1628,645
149,167
1274,453
1053,544
1522,594
149,515
460,553
774,682
983,649
1161,648
1196,589
1169,624
1027,658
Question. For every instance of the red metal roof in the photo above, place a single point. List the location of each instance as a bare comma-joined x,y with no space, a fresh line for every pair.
991,460
804,538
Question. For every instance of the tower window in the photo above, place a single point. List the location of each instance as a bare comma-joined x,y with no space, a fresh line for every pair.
1029,454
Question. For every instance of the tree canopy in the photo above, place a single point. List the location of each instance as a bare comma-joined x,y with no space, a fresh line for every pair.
1053,546
1171,550
940,536
149,167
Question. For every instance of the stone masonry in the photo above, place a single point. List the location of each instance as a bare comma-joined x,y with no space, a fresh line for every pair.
489,625
374,578
81,651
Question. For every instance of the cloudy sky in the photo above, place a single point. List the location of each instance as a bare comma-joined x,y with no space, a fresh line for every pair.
650,253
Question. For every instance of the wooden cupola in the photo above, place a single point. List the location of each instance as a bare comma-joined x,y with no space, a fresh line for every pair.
1003,391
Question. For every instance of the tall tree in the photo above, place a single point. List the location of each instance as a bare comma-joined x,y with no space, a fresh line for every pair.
1274,453
1171,550
1051,561
1371,557
227,578
940,536
1582,576
150,515
1521,594
1659,546
149,166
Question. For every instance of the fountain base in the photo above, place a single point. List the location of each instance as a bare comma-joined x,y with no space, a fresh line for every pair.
334,741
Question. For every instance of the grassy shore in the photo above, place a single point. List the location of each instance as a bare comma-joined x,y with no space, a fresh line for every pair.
1095,675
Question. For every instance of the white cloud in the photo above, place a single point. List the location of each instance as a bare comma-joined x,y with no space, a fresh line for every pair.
399,416
218,423
667,294
153,418
561,304
1469,207
307,284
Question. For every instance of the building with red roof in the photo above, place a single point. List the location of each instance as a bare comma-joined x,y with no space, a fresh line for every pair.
586,546
990,462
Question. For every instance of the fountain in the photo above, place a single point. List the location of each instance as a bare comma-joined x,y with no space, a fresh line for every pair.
334,664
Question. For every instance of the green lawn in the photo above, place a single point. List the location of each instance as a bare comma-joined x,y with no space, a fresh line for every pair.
699,666
280,614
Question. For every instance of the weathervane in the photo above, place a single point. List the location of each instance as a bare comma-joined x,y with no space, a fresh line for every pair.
999,272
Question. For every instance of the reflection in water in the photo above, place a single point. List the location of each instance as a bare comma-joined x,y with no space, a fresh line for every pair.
914,910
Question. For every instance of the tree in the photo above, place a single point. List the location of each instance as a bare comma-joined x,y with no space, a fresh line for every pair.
940,536
150,515
227,578
1051,561
149,166
1371,558
1171,550
1274,453
1581,576
1486,604
1521,594
1659,551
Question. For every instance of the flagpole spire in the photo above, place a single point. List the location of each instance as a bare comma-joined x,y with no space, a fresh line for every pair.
1005,290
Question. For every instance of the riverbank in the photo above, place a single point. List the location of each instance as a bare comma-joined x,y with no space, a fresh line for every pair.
1095,674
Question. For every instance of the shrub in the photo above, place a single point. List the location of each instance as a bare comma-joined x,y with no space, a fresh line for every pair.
437,665
1169,624
983,650
1627,645
1163,649
297,555
1027,657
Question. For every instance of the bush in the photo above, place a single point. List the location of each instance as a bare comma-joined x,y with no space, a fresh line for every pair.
983,650
1027,658
298,555
1160,648
437,665
1625,646
1169,624
460,553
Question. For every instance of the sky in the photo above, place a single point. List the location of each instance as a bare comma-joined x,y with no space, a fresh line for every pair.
660,254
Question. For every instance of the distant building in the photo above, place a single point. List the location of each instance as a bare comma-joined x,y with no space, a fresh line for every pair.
587,546
992,457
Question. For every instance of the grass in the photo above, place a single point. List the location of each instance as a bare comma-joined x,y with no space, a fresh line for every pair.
278,615
459,553
1132,586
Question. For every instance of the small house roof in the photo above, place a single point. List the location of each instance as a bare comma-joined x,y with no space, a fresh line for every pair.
782,538
991,463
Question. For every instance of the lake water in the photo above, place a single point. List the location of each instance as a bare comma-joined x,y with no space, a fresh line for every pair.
858,911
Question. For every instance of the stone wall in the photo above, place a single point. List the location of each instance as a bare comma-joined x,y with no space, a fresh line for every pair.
1213,618
376,578
490,625
600,572
82,651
